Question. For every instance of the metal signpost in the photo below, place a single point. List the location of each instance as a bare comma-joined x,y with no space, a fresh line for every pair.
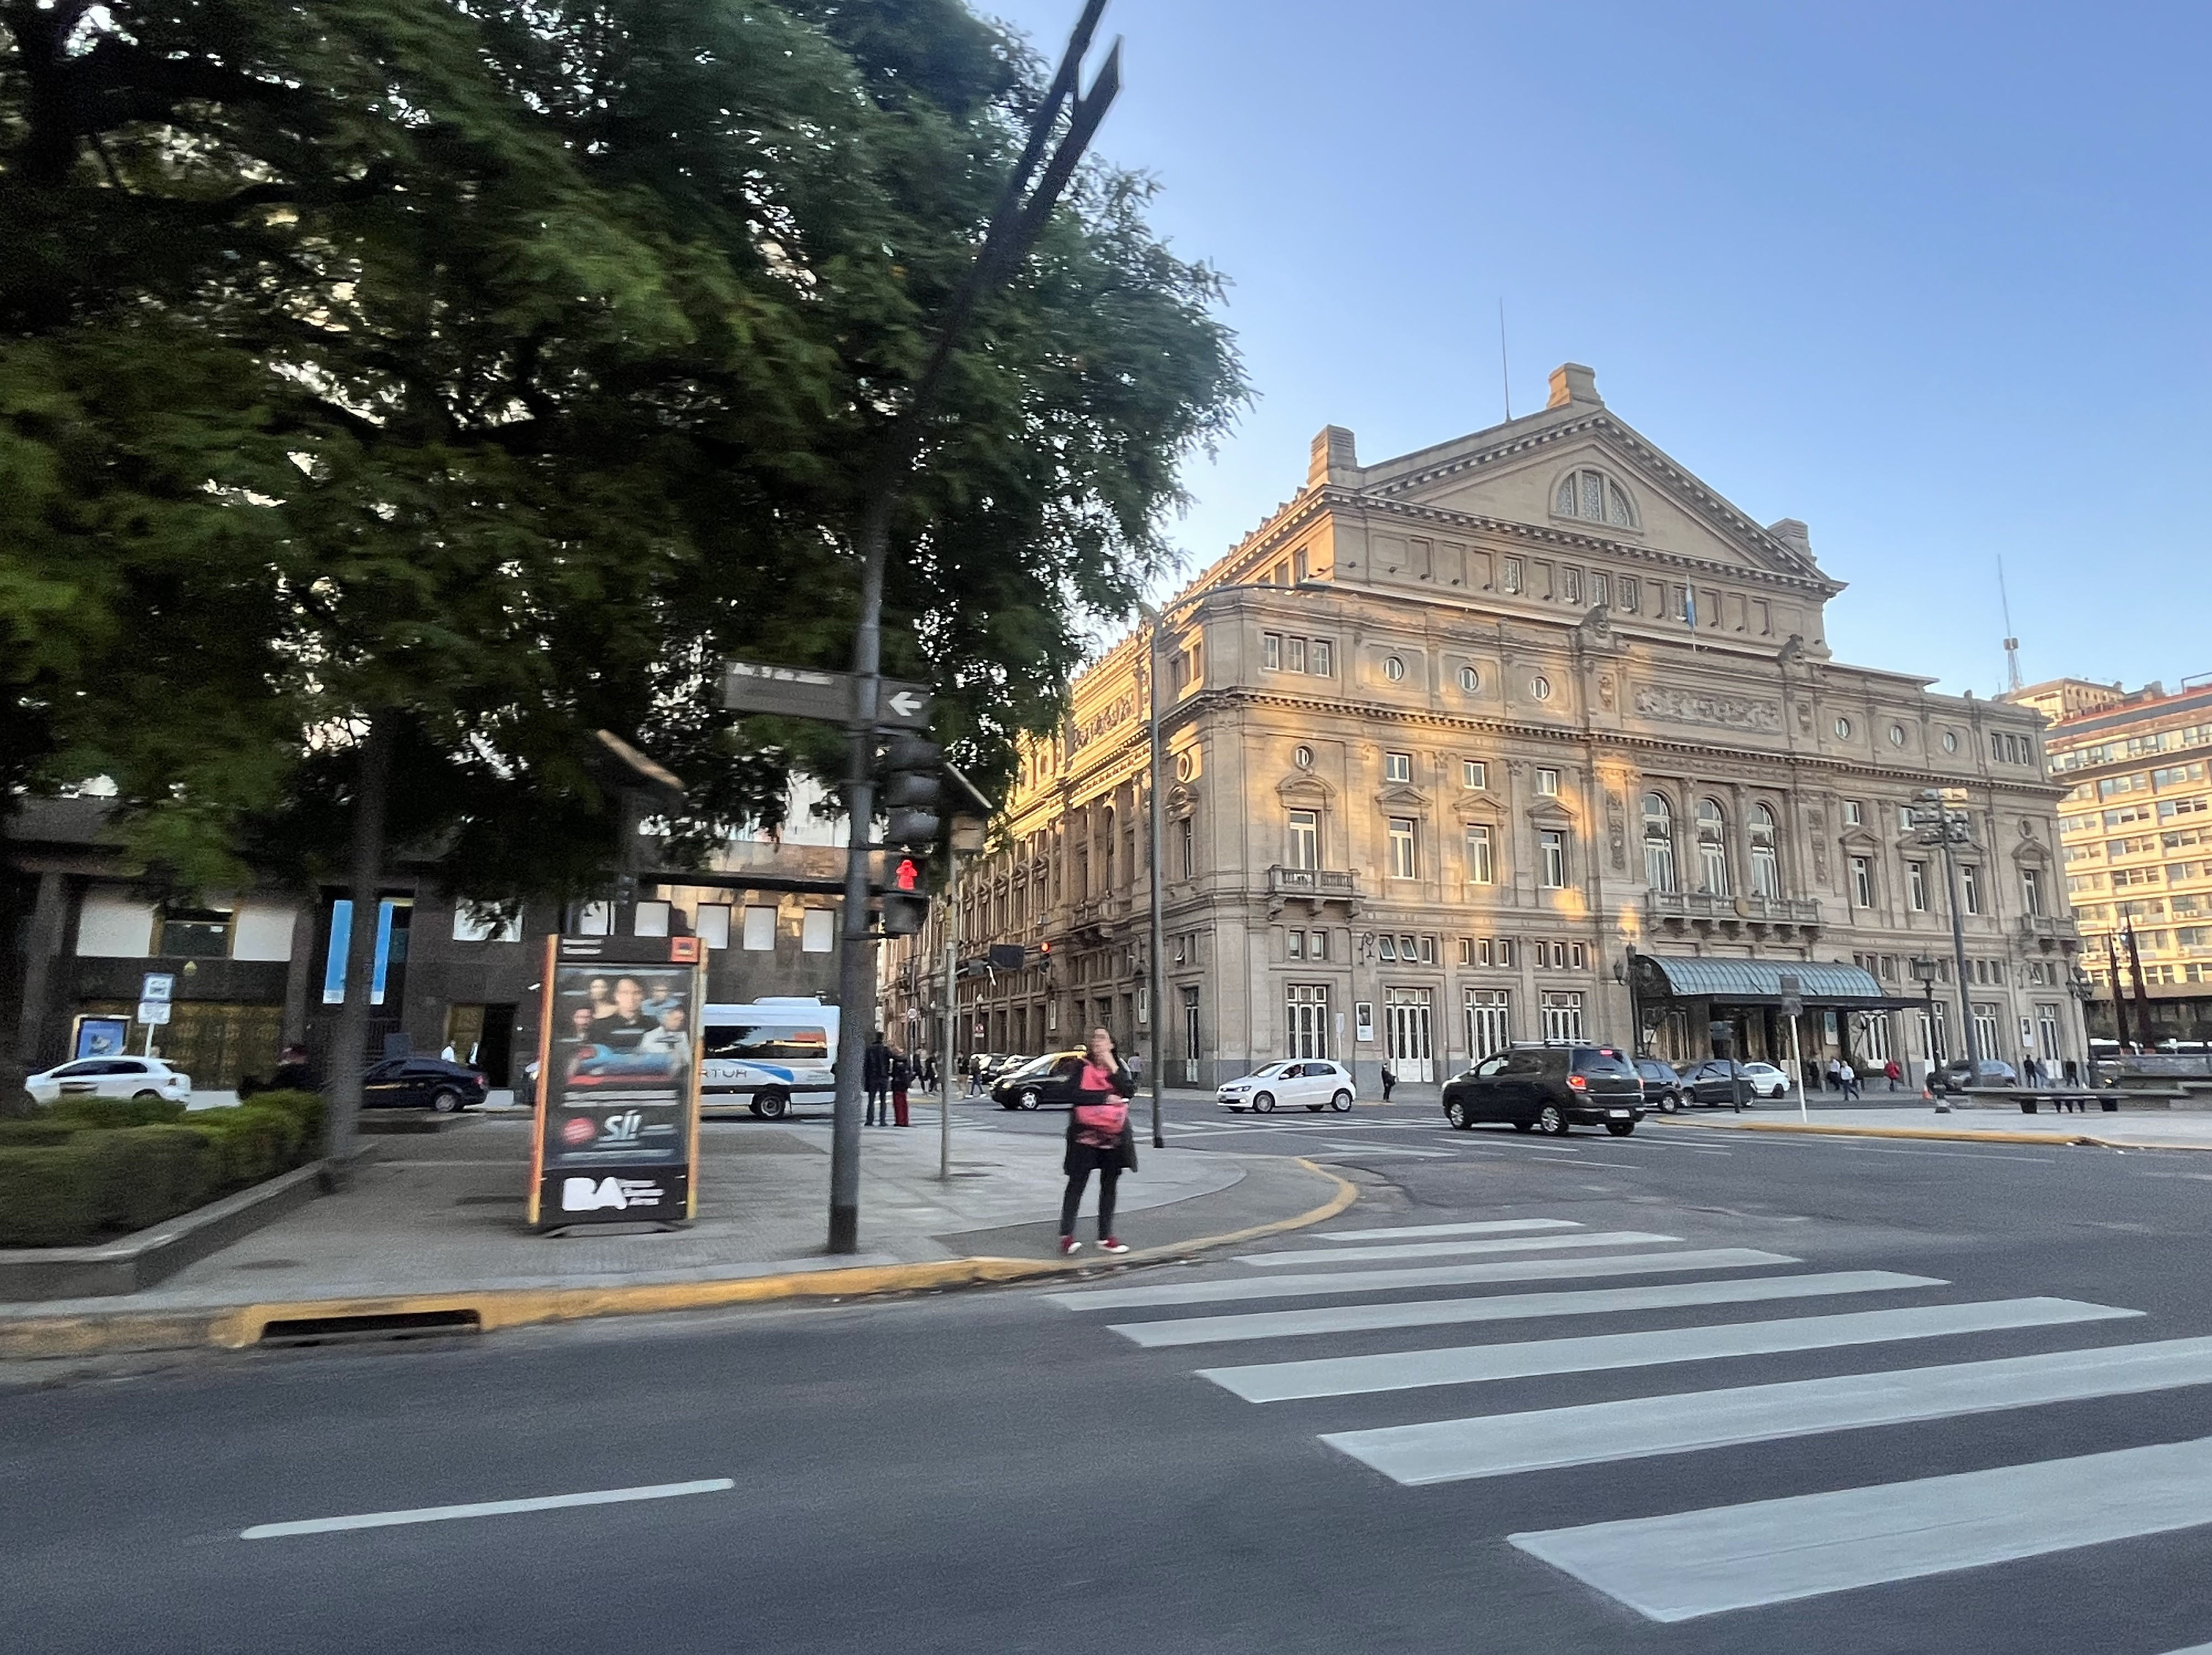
156,996
1941,825
616,1135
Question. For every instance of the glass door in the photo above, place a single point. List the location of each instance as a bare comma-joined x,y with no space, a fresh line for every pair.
1411,1050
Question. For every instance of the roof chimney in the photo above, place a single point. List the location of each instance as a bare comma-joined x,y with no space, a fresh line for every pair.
1795,535
1572,382
1334,457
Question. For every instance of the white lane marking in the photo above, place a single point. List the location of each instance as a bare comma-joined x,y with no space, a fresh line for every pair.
1448,1249
1777,1551
2193,1649
1496,1227
1371,1150
484,1508
1505,1307
1352,1375
1943,1154
1640,1427
1695,1149
1329,1283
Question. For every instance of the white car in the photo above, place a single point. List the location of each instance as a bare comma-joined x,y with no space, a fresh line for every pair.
111,1077
1315,1084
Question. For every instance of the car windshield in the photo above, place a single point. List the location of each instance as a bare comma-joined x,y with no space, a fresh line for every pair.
1038,1065
1271,1068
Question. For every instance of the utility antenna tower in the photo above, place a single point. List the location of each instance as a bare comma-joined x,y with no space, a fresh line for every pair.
2012,644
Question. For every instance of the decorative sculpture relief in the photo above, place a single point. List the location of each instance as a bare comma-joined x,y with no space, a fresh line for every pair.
1679,705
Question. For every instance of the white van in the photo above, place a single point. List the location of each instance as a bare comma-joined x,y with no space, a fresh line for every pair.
772,1053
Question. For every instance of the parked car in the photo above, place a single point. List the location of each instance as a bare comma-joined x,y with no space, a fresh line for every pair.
1663,1087
1961,1073
1313,1082
1038,1081
1551,1088
423,1083
111,1077
1714,1082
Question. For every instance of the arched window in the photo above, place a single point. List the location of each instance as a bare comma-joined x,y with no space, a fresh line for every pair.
1596,498
1712,848
1658,842
1765,864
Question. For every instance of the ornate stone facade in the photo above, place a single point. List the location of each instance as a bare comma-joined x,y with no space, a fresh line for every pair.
1450,736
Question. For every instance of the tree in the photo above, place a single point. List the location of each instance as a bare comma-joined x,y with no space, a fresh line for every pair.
516,362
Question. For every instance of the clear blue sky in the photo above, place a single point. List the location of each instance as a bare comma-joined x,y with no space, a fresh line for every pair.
1931,278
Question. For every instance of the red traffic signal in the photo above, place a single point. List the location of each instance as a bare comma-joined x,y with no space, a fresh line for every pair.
908,876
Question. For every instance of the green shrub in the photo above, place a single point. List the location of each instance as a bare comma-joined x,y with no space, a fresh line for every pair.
108,1113
40,1131
144,1174
47,1196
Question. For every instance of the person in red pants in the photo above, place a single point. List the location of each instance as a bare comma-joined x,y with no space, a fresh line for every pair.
901,1078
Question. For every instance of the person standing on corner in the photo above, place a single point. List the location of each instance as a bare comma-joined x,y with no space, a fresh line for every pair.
1099,1140
1892,1073
876,1078
1389,1079
901,1078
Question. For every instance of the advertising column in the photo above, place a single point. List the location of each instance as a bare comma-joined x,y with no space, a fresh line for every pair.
618,1054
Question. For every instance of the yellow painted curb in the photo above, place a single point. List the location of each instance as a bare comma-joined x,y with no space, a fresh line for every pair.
234,1328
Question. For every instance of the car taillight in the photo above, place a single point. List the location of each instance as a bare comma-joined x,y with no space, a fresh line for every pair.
1578,1082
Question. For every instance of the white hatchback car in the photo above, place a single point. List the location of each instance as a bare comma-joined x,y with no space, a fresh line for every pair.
111,1077
1311,1081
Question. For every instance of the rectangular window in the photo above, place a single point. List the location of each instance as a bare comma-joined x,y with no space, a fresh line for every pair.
711,924
1304,839
196,933
1296,942
760,930
1551,843
596,919
1294,658
1428,951
1563,1016
1189,836
1474,774
1397,766
1307,1021
1324,657
1505,952
1317,945
1271,651
1904,821
649,919
1854,813
1547,782
1916,886
1862,881
1481,869
474,924
2031,889
1578,956
1402,864
1298,565
1601,589
1970,888
1571,585
1489,1022
817,931
1631,593
1509,574
1386,948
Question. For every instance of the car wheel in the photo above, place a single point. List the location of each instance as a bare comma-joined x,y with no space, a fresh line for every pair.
1458,1117
772,1105
1620,1129
1341,1103
759,1114
1670,1103
1551,1123
1264,1104
140,1097
1029,1099
446,1101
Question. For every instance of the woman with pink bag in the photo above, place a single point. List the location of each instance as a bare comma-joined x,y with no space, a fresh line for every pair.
1098,1138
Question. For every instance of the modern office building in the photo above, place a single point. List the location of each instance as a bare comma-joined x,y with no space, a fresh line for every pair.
1528,734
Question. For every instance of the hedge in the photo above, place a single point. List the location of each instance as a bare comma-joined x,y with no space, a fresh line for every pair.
89,1170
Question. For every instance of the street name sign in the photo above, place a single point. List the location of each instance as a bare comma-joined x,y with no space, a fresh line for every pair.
152,1012
809,692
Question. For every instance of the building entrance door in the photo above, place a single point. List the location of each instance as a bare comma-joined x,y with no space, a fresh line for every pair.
1306,1020
1489,1022
1190,1035
1409,1013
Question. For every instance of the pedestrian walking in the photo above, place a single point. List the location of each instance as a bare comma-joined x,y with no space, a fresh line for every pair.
2031,1071
1389,1079
901,1078
1835,1075
876,1078
1892,1072
1099,1140
2072,1072
929,1071
1848,1079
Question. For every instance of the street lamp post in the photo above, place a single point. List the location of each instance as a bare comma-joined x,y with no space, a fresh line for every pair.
1924,972
1941,826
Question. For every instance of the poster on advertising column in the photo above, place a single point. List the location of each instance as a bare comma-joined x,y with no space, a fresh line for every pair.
618,1055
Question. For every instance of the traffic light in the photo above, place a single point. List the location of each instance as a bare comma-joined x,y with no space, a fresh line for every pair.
906,905
913,791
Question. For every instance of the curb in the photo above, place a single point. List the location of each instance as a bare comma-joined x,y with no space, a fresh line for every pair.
2076,1140
238,1326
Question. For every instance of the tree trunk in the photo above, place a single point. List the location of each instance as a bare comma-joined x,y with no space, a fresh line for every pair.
365,885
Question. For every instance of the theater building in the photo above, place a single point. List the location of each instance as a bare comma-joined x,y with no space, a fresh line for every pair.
1528,734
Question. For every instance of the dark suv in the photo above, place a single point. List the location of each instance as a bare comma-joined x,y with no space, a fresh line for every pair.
1553,1087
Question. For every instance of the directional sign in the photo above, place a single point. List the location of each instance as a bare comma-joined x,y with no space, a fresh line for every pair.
808,692
157,985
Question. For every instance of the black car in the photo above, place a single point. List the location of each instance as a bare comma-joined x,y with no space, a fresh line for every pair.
1662,1087
1039,1082
1717,1082
1553,1089
1962,1073
423,1083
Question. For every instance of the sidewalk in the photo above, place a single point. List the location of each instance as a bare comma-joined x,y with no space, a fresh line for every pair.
1915,1118
433,1223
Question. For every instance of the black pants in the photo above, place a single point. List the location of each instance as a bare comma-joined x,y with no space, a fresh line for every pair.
878,1107
1109,1176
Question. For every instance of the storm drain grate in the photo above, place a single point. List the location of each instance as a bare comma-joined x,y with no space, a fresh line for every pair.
396,1324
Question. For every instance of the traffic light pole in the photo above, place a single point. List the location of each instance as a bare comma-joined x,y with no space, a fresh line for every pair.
1018,216
945,1066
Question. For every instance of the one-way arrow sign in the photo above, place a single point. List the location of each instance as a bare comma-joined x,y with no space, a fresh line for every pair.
808,692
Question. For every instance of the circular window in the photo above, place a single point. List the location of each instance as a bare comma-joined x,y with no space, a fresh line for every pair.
1950,741
1469,679
1392,668
1844,728
1303,758
1897,735
1186,766
1540,687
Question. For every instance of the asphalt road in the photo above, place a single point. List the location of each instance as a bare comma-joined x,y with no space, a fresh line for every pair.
1007,1470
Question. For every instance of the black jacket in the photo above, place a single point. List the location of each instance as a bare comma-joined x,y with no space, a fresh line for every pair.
1083,1157
875,1068
902,1072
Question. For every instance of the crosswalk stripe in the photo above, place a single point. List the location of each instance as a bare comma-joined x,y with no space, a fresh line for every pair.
1774,1551
1448,1249
1503,1307
1328,1283
1495,1226
1640,1427
1346,1376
